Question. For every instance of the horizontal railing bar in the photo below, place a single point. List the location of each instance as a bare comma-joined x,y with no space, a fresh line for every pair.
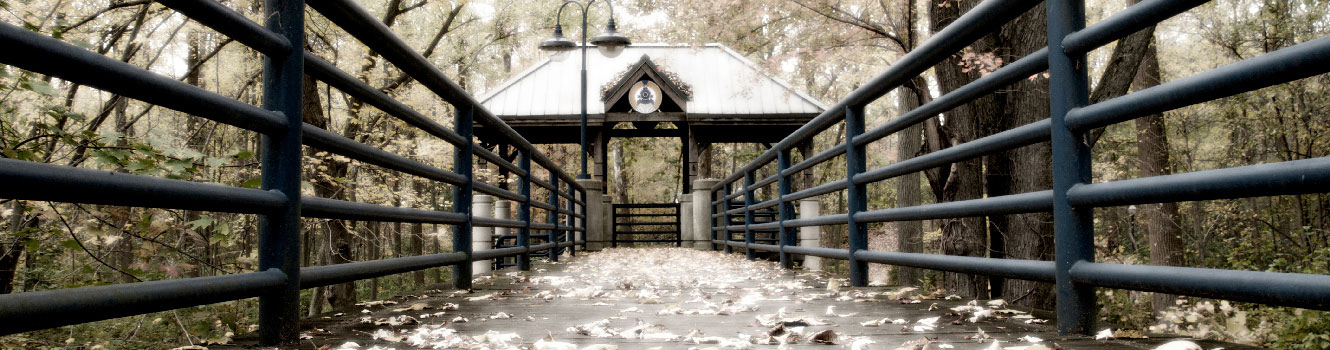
22,312
1030,270
1130,20
1016,71
371,32
815,191
832,219
1311,291
565,211
765,226
497,253
765,181
566,228
816,159
647,241
481,221
542,205
764,204
734,195
737,244
497,192
1021,136
42,54
48,182
764,247
646,215
331,75
1272,179
1282,66
542,226
567,244
499,161
326,275
326,140
1032,202
651,223
981,20
325,208
647,206
231,23
646,232
831,253
543,184
544,246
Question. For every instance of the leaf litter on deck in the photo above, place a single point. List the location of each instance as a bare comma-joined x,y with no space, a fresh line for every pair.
630,286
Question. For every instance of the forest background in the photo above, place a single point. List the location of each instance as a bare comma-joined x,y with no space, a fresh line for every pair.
823,47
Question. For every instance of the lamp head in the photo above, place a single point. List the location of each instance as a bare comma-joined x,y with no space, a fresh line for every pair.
557,43
610,42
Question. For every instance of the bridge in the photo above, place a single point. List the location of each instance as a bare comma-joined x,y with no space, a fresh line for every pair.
725,214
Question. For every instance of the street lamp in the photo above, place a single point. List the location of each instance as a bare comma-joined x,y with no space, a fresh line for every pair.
610,44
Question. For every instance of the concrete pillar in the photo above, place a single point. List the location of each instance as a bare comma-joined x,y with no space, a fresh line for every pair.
809,236
686,220
702,213
481,237
502,210
596,237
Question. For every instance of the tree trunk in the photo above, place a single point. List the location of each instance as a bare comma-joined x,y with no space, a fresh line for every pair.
963,236
1161,220
418,239
910,237
1026,169
11,249
327,185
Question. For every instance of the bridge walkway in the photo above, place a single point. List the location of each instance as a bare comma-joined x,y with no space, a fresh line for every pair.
678,298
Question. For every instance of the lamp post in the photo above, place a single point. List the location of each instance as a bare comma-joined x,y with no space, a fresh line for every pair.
610,43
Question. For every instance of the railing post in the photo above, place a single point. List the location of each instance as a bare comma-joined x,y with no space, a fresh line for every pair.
748,216
614,227
785,209
1072,227
855,164
554,217
524,210
725,217
462,194
572,219
279,232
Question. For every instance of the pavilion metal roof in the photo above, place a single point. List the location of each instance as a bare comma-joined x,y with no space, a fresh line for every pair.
724,84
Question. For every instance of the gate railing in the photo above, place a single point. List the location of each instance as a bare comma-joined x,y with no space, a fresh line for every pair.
279,278
646,219
1073,197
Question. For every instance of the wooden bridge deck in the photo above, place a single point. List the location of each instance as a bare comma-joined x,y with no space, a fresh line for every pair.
672,298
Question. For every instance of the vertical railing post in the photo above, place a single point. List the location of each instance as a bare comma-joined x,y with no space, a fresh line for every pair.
785,209
725,218
748,216
462,194
572,219
678,225
1072,227
614,227
581,209
279,231
855,164
524,211
554,217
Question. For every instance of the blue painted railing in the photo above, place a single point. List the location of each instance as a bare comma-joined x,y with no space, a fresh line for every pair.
280,277
1073,197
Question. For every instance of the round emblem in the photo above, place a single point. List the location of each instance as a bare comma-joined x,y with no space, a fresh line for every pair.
645,96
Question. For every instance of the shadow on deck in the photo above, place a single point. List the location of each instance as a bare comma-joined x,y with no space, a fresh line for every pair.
672,298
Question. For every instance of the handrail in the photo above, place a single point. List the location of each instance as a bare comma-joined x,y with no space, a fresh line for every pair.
1072,196
279,201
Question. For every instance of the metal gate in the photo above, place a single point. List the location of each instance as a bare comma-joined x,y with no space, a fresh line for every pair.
646,223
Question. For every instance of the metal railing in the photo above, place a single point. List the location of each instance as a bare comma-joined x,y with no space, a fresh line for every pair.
1072,198
279,277
658,222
